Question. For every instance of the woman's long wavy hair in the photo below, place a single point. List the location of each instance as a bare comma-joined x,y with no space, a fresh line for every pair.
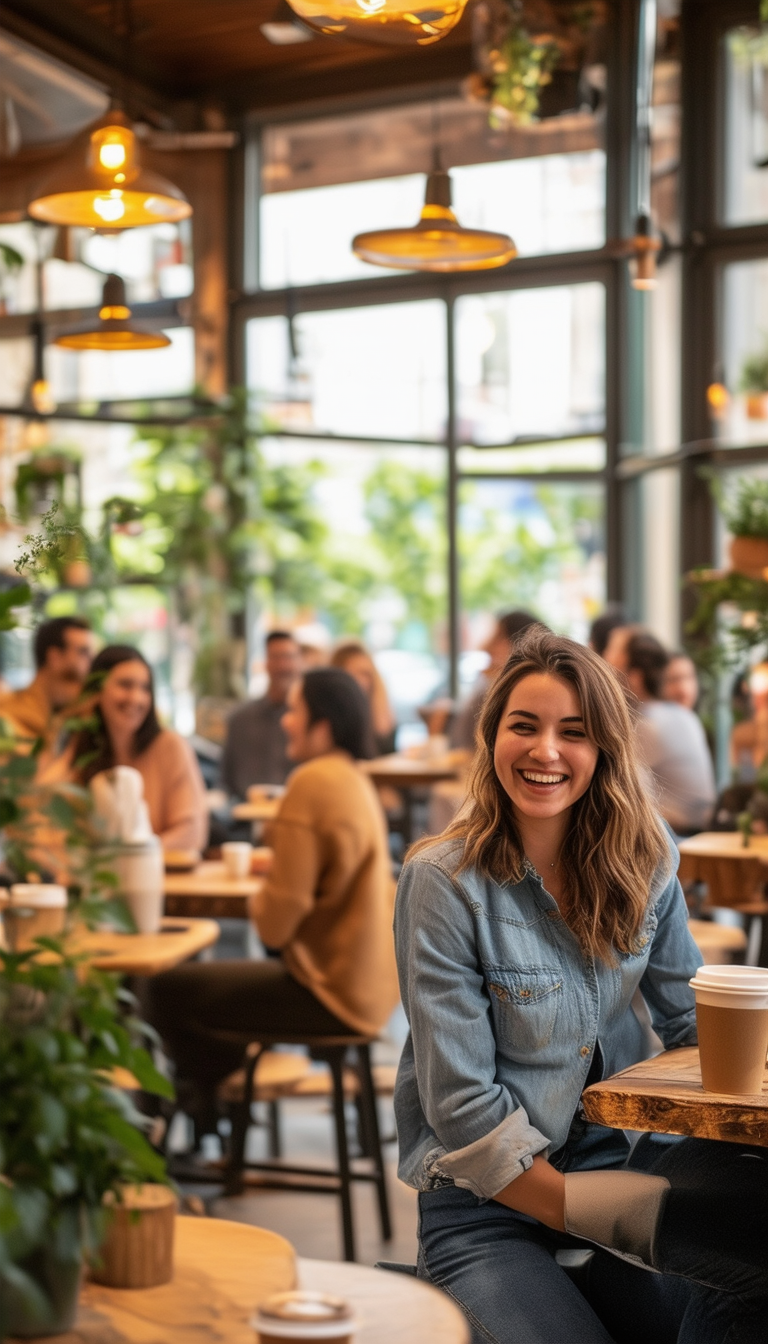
93,750
615,842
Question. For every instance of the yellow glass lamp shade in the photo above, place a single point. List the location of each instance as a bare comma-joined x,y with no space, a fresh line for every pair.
437,242
389,21
101,184
115,329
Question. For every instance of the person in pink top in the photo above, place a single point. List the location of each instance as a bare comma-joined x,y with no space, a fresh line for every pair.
126,731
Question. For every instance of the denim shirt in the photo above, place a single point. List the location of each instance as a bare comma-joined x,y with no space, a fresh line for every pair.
506,1014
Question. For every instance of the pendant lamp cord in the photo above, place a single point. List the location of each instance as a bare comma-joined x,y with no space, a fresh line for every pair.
437,158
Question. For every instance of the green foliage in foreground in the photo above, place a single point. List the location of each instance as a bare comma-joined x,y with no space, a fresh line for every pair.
67,1136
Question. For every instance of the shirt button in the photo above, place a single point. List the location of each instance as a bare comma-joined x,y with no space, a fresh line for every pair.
585,1050
553,914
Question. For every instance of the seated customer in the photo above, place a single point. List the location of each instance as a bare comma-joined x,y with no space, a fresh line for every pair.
326,905
255,751
500,647
127,732
63,650
681,682
670,739
354,658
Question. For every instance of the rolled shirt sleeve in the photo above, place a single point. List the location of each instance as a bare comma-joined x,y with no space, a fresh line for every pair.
485,1138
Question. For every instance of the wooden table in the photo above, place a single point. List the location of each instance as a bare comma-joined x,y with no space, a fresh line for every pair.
223,1270
392,1308
664,1096
266,809
409,774
207,890
406,772
735,875
145,953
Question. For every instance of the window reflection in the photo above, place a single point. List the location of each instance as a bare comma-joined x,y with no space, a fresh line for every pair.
375,371
533,545
531,362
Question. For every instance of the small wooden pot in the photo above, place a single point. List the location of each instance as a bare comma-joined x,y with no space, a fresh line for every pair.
749,555
138,1249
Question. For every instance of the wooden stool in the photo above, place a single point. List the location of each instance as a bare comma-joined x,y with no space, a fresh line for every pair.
242,1088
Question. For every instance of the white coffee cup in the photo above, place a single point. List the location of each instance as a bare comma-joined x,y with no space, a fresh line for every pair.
236,855
732,1021
304,1318
33,910
140,872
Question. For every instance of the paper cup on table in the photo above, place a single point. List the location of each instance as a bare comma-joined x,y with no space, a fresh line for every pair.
237,858
732,1021
140,871
33,910
304,1318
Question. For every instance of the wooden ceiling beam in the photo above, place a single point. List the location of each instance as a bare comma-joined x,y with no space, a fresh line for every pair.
63,31
340,84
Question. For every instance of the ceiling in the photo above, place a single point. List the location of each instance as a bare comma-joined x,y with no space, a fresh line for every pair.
184,53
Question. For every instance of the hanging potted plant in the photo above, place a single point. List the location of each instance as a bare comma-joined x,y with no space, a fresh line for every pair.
745,511
754,384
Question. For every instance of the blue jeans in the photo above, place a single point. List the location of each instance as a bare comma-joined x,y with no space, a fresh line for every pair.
499,1266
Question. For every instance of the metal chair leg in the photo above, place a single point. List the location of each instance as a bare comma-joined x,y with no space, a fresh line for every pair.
274,1130
372,1137
335,1061
241,1119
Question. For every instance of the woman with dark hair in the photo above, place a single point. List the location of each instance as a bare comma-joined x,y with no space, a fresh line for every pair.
326,906
126,731
522,934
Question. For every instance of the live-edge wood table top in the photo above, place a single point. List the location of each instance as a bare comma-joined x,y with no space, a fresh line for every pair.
145,953
664,1096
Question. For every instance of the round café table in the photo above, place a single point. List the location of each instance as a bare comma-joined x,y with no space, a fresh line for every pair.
735,874
224,1269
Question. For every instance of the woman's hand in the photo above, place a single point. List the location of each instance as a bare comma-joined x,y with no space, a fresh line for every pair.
539,1192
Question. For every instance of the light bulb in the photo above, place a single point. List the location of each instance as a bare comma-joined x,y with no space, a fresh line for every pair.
112,154
110,208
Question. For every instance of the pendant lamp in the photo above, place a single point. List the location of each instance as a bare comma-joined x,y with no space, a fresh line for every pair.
114,330
393,22
101,183
437,242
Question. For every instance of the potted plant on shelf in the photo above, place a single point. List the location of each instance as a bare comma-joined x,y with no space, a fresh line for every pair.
754,384
745,511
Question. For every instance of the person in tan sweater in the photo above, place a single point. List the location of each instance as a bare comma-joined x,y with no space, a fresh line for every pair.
326,906
126,731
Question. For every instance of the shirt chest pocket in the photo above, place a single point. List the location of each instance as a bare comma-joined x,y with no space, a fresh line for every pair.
524,1006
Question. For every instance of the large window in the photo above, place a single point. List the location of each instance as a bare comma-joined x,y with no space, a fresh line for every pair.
321,182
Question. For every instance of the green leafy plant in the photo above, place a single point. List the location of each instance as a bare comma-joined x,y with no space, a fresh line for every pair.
754,372
68,1136
744,505
522,67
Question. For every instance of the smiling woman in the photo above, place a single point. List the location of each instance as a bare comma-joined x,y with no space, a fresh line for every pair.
126,731
523,934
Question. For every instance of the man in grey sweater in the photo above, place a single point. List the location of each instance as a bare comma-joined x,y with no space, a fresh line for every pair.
670,739
256,746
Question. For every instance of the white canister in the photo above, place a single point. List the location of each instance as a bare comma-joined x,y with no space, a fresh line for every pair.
140,870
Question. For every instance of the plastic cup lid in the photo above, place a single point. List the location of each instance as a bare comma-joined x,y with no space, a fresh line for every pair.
38,895
754,989
742,972
306,1308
